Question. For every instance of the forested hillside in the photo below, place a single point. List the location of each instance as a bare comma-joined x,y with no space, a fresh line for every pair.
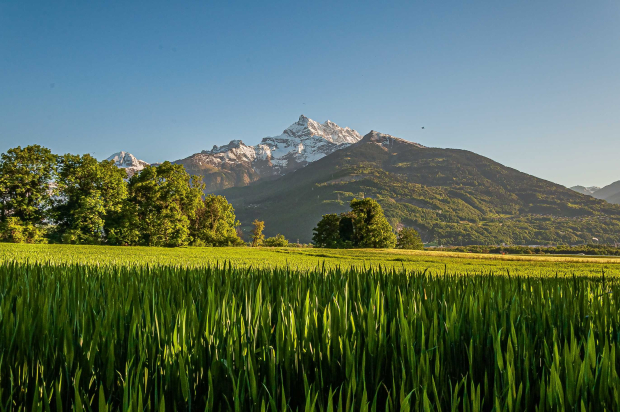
450,196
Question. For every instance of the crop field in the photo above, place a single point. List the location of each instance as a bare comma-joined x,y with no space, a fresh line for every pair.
88,328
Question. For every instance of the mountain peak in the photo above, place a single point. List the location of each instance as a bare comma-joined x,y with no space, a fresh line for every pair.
386,139
127,161
233,144
236,163
306,128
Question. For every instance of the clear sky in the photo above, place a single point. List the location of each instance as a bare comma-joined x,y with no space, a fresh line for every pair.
534,85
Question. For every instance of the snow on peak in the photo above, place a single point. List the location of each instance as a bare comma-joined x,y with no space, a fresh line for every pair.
127,161
234,144
306,128
303,142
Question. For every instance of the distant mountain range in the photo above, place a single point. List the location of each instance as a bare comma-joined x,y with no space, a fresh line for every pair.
450,196
610,193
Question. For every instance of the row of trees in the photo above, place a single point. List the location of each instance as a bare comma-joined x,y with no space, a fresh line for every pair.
78,199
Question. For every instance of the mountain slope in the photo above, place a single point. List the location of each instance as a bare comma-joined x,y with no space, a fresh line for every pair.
449,195
607,192
237,164
614,198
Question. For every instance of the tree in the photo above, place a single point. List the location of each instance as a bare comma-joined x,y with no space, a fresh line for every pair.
277,241
25,178
215,223
257,232
364,226
327,232
162,202
89,197
408,238
371,228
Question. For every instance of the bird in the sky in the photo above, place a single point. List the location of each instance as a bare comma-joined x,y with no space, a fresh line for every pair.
422,127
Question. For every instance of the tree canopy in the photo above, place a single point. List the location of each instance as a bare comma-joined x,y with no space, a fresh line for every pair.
364,226
88,197
25,178
215,223
78,199
163,200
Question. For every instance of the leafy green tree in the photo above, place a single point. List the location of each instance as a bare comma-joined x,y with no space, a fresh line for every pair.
162,202
371,228
25,178
276,241
89,198
215,223
327,232
257,232
408,238
15,231
364,226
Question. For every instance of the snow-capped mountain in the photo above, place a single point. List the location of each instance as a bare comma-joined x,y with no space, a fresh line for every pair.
129,162
237,164
585,190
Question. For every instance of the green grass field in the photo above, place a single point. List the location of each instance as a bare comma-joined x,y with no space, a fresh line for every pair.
310,259
89,328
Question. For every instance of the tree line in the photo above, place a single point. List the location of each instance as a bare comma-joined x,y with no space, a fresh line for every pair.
77,199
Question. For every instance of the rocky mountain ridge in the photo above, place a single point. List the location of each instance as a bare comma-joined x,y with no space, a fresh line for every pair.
238,164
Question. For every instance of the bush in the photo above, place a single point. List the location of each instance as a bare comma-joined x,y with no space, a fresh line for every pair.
13,230
408,238
277,241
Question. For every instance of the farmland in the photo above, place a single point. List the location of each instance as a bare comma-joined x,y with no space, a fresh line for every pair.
103,328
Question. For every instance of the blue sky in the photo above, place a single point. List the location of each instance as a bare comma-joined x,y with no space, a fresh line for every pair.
534,85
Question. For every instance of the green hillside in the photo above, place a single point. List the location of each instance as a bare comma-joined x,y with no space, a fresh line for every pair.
451,196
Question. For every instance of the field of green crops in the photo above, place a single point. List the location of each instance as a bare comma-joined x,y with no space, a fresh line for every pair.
145,329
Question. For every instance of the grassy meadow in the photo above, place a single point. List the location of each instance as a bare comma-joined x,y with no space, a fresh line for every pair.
88,328
434,261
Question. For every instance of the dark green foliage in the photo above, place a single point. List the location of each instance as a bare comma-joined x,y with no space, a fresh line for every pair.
346,230
276,241
327,232
162,202
408,238
597,250
89,197
152,338
25,177
370,227
215,223
364,226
